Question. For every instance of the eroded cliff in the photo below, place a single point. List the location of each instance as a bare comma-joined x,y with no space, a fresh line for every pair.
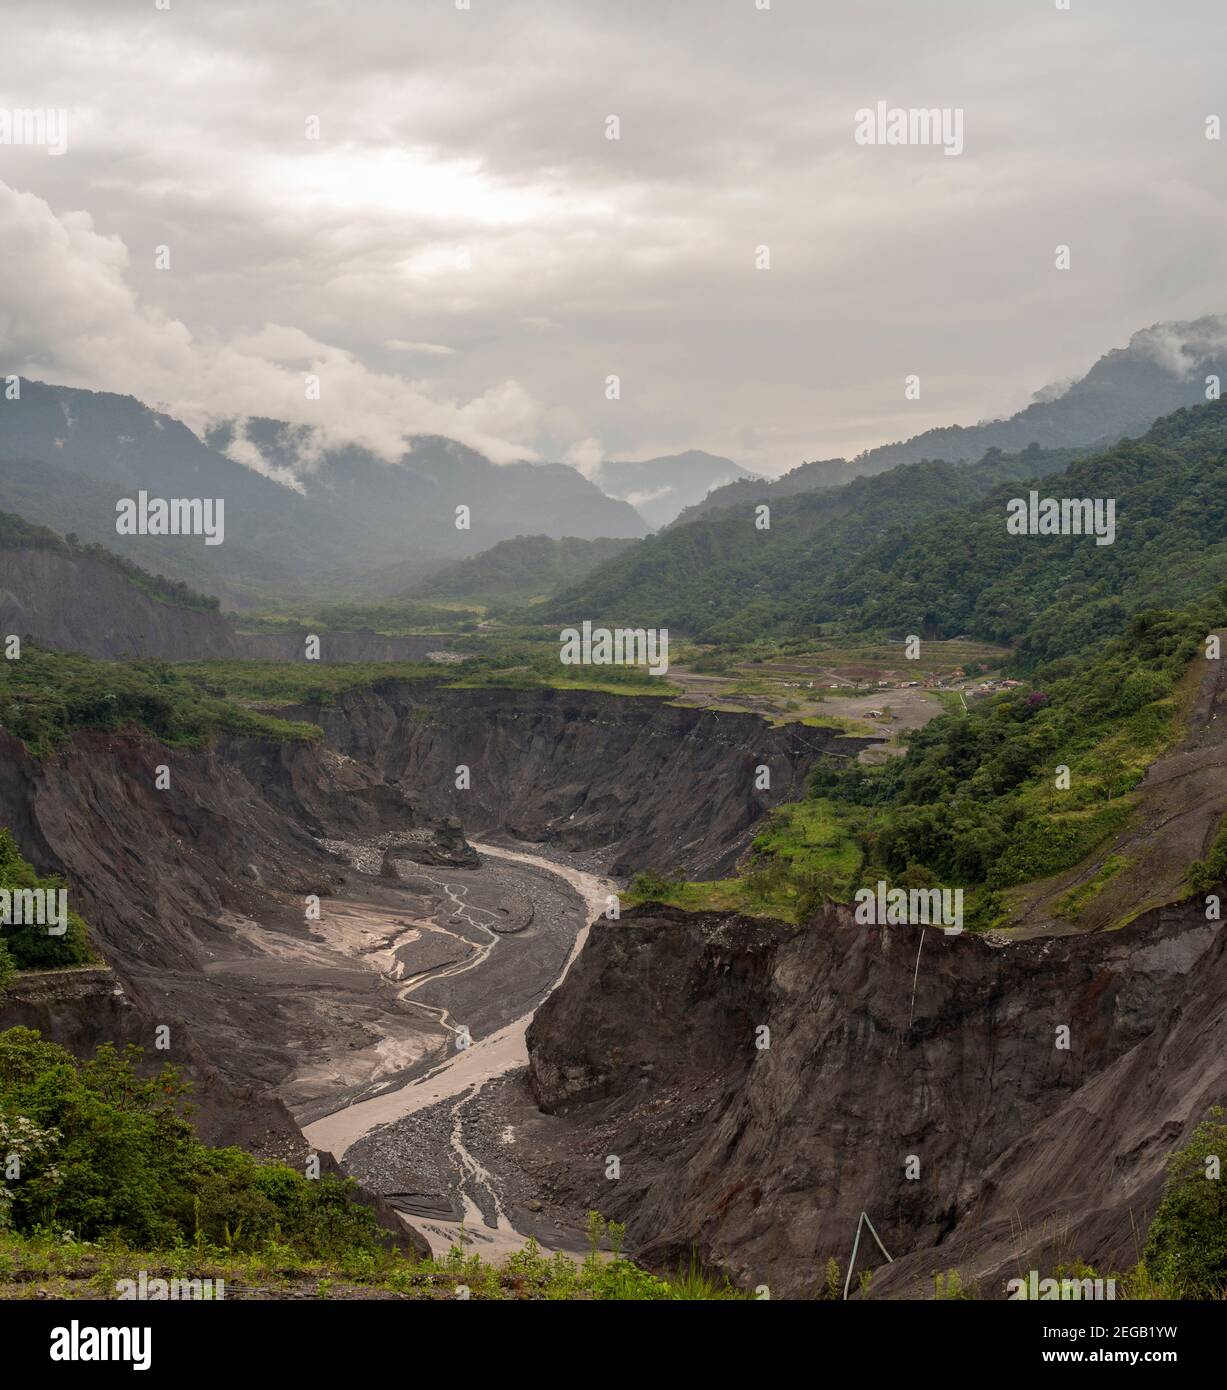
763,1157
640,781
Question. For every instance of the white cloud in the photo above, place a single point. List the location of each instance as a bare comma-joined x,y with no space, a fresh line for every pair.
426,349
69,314
586,456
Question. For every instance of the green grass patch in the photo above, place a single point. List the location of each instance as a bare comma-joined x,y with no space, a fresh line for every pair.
1072,904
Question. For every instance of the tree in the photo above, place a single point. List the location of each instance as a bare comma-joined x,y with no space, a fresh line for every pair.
1186,1246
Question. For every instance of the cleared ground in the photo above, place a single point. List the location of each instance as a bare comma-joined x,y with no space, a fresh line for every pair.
863,690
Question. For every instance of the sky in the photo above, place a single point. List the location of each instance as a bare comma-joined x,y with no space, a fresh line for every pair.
419,205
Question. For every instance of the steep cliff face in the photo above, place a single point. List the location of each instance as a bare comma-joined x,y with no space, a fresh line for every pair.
78,603
152,867
643,782
81,604
195,893
80,1009
764,1157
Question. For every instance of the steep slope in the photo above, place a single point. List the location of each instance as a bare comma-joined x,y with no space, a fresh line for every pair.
633,778
763,1157
76,602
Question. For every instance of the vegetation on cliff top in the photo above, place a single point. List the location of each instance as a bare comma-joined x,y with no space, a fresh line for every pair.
19,534
974,801
46,696
112,1181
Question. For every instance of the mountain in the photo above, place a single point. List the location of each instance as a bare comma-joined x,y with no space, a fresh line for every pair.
660,488
67,456
806,477
722,578
525,567
1163,368
924,549
407,509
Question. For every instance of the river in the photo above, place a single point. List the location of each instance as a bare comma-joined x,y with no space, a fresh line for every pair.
461,1078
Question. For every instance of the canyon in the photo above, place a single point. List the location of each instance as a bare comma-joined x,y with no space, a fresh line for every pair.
759,1083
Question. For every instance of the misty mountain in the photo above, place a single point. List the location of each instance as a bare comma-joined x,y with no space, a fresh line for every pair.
522,568
1163,368
660,488
67,456
407,509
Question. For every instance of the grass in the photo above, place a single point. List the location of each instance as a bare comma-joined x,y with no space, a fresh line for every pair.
60,1267
806,851
1072,904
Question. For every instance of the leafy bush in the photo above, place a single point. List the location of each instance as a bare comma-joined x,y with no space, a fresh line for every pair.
1186,1246
119,1159
29,946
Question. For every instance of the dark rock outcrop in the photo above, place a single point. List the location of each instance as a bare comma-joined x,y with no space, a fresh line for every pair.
641,781
764,1157
443,844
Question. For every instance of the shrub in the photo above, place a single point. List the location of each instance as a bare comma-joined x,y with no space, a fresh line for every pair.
123,1161
1186,1246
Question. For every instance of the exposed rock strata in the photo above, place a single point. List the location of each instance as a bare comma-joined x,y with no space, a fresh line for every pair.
647,783
763,1159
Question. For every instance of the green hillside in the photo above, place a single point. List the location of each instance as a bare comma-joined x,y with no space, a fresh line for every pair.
523,568
721,578
924,549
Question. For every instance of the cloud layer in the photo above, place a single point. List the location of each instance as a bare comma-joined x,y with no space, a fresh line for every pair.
463,251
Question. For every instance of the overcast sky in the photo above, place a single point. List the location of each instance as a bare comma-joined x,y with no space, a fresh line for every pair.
447,133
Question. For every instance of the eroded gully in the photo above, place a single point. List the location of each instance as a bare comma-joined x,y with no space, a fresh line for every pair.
462,1076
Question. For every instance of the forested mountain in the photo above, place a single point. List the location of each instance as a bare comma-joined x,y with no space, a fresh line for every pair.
723,578
924,549
1163,368
521,568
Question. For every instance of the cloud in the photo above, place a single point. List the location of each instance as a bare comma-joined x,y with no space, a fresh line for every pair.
586,457
69,314
462,184
1182,347
427,349
637,499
